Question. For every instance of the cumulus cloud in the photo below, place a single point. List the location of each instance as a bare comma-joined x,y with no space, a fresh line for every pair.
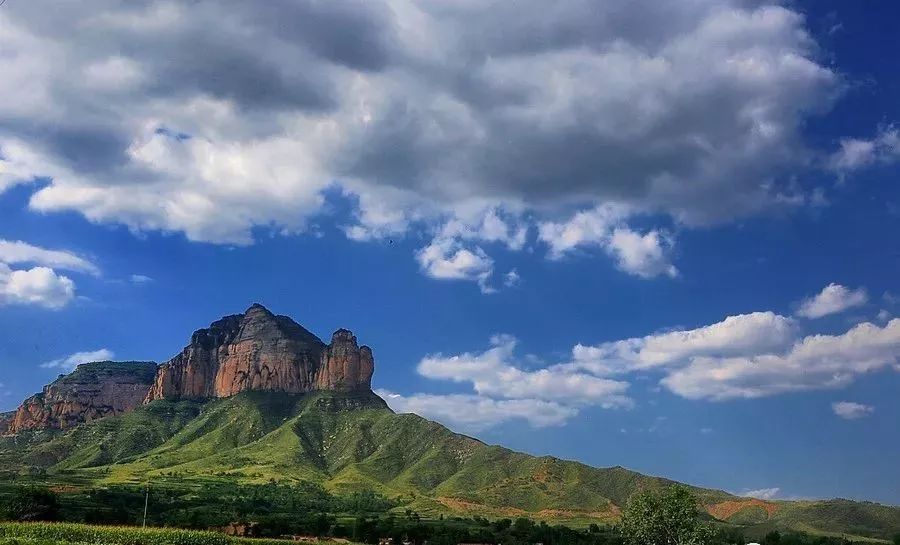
134,114
834,298
505,391
740,335
849,410
39,286
744,356
475,413
812,363
70,362
645,255
495,373
447,259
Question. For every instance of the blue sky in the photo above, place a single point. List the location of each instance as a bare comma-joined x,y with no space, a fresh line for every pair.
658,238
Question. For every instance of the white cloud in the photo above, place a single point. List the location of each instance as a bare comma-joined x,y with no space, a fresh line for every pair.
70,362
494,373
18,252
135,115
475,413
39,286
642,255
446,259
645,255
762,493
834,298
740,335
856,153
812,363
849,410
140,279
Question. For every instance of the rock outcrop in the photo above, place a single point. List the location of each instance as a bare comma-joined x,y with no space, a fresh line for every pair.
5,421
345,364
92,391
258,350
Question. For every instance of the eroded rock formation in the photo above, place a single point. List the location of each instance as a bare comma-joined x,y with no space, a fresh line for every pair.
92,391
258,350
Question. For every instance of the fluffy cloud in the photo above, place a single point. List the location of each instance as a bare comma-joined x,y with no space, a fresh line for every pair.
504,391
494,373
814,362
834,298
136,115
645,255
740,335
39,286
446,259
744,356
849,410
474,413
70,362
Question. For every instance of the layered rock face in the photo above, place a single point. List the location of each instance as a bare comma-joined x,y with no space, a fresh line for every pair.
345,364
258,350
92,391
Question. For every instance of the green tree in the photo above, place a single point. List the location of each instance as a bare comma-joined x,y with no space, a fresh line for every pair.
31,503
666,517
896,539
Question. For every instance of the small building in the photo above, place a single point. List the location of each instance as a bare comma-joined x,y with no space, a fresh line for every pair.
242,529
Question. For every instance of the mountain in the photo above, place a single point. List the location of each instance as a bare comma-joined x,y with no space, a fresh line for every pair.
92,391
256,398
258,350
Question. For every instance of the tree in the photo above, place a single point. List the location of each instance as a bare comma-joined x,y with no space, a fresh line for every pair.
666,517
896,539
31,503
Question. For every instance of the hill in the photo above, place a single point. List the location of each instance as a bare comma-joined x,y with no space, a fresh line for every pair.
255,400
351,441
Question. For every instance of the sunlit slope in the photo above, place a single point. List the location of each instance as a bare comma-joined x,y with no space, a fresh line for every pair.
354,442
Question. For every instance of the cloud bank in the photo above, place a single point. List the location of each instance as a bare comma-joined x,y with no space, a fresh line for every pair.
424,114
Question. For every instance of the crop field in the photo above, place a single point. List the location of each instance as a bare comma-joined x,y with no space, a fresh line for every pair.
42,533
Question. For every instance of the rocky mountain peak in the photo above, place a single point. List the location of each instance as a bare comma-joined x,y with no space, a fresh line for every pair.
259,350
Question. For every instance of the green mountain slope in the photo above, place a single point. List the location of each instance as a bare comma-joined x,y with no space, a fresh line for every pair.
353,442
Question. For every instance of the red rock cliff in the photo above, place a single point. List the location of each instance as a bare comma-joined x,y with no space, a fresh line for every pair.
258,350
92,391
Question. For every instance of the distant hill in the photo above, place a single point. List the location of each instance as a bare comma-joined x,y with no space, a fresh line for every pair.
256,398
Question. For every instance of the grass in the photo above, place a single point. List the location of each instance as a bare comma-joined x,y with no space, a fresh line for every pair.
353,442
41,533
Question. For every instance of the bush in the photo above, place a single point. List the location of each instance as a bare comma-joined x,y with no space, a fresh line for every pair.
31,504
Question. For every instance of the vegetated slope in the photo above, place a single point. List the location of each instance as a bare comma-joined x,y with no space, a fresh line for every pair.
352,441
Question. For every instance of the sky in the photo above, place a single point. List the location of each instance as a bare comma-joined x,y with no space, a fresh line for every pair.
661,235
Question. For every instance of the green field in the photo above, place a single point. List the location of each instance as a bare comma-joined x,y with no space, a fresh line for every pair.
57,533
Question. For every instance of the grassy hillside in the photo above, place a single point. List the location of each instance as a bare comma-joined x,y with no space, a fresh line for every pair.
353,442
